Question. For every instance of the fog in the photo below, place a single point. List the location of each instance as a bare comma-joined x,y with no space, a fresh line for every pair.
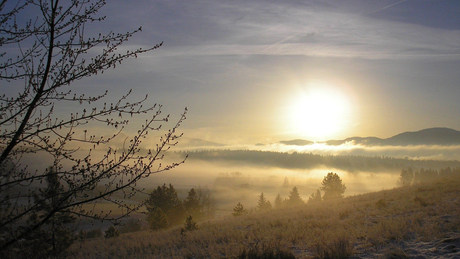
242,175
243,183
435,152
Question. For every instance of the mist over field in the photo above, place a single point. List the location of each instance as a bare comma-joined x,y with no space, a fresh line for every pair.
427,144
242,172
240,182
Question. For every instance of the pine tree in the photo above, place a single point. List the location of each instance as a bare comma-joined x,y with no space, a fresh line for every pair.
166,199
315,197
112,232
263,204
192,204
278,202
57,234
157,219
286,182
294,198
332,187
239,210
190,224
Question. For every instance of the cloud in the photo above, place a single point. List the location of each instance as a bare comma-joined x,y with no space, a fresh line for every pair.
418,152
258,28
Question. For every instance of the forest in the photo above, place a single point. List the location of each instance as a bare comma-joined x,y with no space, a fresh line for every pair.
295,160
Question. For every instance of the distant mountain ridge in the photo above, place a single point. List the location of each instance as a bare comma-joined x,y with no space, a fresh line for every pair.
431,136
195,142
297,142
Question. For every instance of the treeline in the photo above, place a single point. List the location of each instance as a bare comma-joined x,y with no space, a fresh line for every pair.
165,209
265,205
331,188
295,160
410,176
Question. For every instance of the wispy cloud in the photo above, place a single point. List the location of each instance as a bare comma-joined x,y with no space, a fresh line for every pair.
233,62
258,28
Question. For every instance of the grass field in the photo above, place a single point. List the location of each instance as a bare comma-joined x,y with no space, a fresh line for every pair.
421,220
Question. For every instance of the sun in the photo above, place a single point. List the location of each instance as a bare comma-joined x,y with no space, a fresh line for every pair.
319,112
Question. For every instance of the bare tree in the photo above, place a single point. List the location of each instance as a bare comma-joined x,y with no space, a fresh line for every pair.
40,58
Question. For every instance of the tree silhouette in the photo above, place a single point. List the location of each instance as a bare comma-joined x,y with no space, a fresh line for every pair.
45,49
166,199
407,177
294,198
332,187
57,235
263,204
286,182
112,232
192,204
190,224
239,210
315,197
157,219
207,202
131,225
278,202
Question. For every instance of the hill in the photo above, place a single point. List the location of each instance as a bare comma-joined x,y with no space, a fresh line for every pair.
417,221
431,136
297,142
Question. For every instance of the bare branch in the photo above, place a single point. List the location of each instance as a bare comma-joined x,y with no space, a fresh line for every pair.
47,54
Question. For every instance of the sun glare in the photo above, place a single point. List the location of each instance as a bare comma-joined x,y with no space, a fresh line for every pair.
319,112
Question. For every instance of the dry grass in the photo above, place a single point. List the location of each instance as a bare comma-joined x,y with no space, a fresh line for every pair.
378,223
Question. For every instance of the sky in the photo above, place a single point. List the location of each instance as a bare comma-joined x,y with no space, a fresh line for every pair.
253,73
265,71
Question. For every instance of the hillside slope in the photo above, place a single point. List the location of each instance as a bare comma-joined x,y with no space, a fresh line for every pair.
421,220
431,136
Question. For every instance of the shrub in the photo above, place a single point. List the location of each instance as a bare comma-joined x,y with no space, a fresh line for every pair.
81,237
112,232
190,224
422,201
343,215
395,253
94,233
338,248
131,225
239,210
267,252
380,204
